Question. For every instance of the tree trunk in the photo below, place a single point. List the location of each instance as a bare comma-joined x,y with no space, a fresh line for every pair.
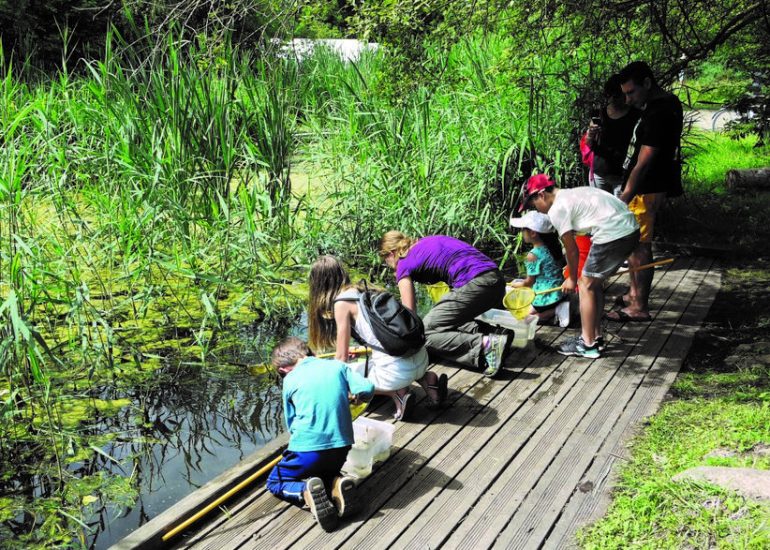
757,179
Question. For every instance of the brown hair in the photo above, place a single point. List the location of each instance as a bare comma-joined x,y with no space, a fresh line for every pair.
288,351
327,278
395,241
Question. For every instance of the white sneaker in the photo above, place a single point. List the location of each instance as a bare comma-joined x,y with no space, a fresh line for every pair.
562,314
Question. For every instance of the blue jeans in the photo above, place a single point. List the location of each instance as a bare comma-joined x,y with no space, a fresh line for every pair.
287,479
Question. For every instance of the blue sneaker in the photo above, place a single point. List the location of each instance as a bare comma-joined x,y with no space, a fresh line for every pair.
578,348
495,354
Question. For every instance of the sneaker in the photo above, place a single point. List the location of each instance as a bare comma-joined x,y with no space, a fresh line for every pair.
562,314
320,506
495,354
601,345
578,348
344,496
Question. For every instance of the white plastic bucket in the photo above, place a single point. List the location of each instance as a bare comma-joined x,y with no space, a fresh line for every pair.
373,439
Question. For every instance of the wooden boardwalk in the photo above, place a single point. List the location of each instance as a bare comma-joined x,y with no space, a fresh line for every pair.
517,462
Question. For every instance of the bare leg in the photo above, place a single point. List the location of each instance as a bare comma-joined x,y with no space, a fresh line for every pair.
591,292
428,382
640,281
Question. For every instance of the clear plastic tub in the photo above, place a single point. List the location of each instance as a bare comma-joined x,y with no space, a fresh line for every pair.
523,329
373,439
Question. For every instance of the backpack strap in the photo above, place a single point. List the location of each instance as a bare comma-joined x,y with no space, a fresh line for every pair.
363,300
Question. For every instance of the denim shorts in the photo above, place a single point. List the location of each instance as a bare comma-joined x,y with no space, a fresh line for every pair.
604,259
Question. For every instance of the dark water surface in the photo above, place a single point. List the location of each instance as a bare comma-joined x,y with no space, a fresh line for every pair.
197,422
196,429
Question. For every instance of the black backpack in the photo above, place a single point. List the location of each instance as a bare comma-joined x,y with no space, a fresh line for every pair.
400,331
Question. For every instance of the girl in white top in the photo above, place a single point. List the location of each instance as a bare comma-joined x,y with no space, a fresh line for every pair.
331,322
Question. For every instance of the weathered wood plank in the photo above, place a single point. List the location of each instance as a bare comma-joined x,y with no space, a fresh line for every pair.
589,504
493,511
501,465
543,505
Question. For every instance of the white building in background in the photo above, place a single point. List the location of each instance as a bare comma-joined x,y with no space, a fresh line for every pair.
349,49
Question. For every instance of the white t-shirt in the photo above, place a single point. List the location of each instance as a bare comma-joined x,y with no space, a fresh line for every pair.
588,210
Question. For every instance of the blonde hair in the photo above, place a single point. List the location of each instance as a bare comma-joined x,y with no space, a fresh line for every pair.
397,242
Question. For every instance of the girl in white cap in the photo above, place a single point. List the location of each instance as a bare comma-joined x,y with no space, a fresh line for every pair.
544,265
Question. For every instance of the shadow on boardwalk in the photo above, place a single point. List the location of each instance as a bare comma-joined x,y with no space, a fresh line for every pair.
519,462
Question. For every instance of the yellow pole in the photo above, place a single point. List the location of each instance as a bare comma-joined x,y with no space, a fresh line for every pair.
645,266
351,351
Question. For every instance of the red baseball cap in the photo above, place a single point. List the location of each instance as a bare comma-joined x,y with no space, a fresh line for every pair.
534,185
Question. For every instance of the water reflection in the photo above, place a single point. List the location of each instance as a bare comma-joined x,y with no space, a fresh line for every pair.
196,423
182,434
186,425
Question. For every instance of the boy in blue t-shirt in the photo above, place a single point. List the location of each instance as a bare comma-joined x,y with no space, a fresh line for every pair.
316,395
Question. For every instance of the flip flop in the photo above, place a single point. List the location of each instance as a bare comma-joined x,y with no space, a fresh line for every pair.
441,392
620,301
406,402
623,317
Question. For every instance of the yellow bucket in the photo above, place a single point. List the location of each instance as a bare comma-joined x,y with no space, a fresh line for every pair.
518,300
437,290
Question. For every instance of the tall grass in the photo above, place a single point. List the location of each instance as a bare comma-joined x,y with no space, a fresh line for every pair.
449,158
147,211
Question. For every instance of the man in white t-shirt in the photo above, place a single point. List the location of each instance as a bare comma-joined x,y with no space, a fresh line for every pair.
614,235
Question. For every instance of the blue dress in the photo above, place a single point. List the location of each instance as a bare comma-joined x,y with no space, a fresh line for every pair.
547,275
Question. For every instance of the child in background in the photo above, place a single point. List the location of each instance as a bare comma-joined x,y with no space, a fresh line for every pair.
316,408
543,264
614,233
333,315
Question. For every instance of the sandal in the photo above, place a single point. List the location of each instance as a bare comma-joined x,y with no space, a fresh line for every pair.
620,301
624,317
441,392
406,402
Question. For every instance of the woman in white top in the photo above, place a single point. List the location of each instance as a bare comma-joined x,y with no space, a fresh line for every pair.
331,323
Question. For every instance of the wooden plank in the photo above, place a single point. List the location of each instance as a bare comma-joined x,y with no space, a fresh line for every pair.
439,476
390,481
543,505
492,512
588,505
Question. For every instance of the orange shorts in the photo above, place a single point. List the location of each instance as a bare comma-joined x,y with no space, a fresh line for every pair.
645,207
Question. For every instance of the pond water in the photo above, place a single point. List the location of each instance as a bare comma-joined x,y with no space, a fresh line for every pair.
198,426
196,423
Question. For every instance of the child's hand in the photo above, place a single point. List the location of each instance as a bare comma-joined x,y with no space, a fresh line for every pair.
568,287
360,398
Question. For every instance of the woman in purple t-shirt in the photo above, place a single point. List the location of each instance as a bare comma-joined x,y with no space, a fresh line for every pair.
476,286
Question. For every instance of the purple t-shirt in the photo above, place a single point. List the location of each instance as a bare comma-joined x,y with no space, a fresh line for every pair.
441,258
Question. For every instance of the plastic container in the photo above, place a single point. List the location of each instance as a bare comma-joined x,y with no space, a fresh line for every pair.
523,329
373,439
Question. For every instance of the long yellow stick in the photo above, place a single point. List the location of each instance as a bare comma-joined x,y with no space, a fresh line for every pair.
645,266
356,411
351,351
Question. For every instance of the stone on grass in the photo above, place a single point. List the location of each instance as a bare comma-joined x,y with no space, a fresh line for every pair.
748,482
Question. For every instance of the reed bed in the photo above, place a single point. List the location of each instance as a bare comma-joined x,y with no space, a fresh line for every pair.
147,220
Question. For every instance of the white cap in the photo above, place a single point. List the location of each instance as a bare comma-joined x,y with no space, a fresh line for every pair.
533,220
